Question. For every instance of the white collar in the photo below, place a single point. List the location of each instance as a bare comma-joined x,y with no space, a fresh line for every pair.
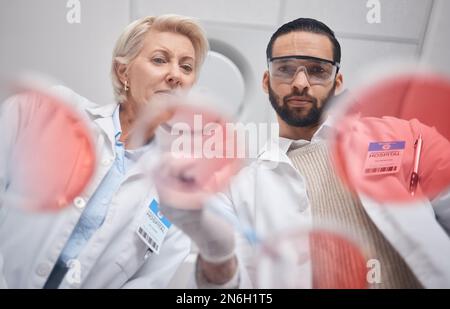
277,147
319,136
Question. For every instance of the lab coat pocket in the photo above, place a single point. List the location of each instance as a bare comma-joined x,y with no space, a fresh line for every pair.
133,252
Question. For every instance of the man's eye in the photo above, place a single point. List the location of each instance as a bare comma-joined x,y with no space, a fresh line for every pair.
286,69
317,69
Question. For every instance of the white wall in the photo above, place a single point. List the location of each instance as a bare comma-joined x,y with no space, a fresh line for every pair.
35,35
436,47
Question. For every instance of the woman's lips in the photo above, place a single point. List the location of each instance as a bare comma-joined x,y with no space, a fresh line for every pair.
165,92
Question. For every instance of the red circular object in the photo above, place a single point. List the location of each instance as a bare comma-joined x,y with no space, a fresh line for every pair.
53,156
398,109
318,258
200,157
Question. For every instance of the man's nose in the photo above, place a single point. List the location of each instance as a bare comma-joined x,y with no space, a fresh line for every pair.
300,80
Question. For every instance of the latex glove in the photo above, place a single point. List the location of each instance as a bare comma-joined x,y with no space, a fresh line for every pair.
183,186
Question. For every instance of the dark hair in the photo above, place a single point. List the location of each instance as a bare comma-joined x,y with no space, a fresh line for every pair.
307,25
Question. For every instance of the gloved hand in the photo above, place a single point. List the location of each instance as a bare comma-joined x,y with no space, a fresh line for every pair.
183,186
185,181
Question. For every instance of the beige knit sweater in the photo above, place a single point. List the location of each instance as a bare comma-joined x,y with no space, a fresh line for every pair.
332,204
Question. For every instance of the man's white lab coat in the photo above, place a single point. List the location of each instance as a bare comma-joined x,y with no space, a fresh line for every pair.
270,196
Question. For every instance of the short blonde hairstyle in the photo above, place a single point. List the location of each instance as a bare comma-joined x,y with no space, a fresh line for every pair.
131,42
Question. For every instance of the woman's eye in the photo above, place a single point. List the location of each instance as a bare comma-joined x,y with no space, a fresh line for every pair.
159,60
187,68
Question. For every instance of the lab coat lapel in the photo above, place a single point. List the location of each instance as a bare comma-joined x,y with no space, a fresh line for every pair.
275,152
102,116
145,164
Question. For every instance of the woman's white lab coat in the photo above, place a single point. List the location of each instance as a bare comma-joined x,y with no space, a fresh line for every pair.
115,256
270,195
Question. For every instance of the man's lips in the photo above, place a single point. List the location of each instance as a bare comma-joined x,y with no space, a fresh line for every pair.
298,101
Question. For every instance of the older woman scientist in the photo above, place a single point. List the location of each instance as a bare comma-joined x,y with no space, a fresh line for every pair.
99,231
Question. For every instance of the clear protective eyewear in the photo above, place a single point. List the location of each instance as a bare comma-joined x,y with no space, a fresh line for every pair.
318,71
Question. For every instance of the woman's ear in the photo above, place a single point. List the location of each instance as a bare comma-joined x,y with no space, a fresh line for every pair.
121,71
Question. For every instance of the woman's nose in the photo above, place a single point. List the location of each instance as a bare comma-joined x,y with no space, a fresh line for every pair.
174,78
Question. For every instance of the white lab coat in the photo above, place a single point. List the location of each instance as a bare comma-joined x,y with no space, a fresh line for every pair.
269,196
115,256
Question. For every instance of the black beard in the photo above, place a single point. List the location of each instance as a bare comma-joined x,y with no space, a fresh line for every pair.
312,118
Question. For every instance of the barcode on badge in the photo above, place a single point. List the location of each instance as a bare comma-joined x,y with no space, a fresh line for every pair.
387,169
153,245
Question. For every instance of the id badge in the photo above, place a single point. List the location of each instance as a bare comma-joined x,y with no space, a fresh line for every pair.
384,158
153,227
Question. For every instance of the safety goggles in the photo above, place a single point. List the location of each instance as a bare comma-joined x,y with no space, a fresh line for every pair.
318,71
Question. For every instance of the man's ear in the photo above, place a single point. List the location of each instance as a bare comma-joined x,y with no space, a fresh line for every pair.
339,84
265,81
121,71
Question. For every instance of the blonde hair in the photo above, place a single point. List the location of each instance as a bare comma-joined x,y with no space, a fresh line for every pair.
131,42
